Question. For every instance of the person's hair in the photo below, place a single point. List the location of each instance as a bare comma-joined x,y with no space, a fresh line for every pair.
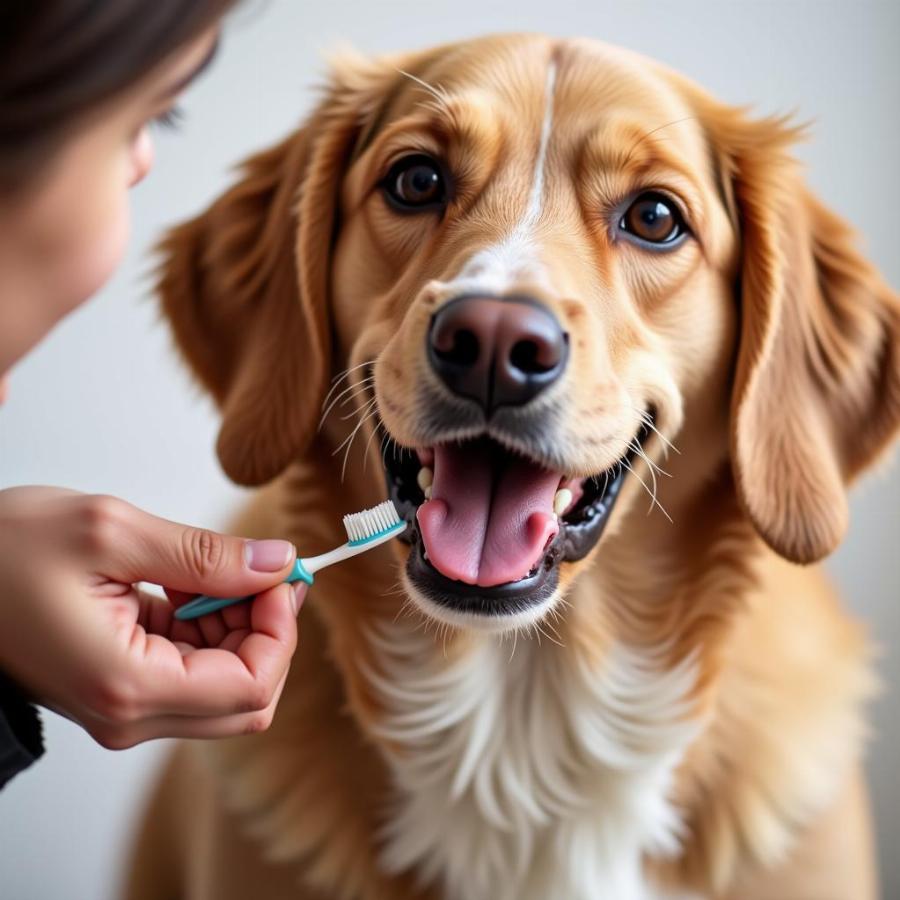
61,58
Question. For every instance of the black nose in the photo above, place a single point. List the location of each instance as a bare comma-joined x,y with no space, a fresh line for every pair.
498,352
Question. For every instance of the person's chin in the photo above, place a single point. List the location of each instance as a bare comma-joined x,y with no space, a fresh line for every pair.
4,388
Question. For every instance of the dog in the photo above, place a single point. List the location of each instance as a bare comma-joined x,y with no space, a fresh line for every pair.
550,283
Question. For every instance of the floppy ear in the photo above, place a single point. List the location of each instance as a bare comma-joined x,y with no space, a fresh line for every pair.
817,385
245,287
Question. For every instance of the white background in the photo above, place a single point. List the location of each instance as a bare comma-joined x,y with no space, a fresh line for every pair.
104,406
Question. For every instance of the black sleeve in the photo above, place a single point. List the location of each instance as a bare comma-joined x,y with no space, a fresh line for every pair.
21,742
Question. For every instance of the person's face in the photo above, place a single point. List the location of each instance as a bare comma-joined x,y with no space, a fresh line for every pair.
62,239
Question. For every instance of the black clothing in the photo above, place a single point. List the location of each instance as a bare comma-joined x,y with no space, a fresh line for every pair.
21,741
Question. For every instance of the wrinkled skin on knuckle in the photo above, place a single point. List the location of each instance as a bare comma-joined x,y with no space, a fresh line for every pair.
102,521
113,699
204,551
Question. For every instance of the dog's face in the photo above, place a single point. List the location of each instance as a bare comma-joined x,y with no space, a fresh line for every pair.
540,263
535,262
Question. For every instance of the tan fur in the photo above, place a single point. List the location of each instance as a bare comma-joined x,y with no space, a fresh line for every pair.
777,392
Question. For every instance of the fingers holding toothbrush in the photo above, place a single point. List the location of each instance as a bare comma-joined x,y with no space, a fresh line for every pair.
216,689
80,636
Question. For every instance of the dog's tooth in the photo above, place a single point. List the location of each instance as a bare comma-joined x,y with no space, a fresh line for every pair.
562,500
425,478
427,492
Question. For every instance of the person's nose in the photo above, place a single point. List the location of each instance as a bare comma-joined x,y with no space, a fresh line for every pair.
141,160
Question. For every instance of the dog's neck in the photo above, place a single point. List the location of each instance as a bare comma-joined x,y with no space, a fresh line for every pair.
522,771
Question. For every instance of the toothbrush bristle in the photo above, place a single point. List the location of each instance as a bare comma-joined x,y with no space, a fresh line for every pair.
372,521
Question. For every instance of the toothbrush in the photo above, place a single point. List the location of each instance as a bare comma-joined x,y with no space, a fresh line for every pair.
365,530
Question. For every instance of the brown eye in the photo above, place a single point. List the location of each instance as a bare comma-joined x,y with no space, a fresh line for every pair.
653,218
415,183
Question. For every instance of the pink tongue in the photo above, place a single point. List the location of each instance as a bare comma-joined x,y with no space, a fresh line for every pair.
490,516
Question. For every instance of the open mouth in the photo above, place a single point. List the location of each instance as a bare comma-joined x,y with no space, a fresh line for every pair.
490,527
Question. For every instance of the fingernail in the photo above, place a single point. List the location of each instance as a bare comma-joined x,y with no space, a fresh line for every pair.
298,595
267,556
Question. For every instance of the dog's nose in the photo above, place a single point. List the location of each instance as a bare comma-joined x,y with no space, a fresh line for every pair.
497,351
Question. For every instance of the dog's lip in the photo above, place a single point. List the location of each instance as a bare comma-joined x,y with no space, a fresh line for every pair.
579,531
573,541
504,599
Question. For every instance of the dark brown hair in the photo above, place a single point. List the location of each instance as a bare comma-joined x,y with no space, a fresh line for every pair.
60,58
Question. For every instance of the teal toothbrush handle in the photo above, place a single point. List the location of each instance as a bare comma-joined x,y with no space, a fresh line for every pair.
203,605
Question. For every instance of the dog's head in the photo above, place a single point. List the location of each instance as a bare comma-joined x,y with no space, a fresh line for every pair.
540,263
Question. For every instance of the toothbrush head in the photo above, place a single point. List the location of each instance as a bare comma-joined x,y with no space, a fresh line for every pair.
370,524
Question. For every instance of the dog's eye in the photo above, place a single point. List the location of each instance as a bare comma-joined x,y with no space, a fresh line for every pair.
415,183
653,218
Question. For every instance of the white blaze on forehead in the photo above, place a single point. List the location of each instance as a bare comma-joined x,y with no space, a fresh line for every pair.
503,266
537,181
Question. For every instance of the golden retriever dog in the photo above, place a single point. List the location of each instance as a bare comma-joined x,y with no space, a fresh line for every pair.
550,284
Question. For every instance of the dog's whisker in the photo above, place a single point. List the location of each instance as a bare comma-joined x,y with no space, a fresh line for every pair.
368,413
355,398
408,610
653,481
354,412
368,445
365,412
437,92
366,382
534,632
653,495
667,445
652,132
652,467
384,448
363,377
397,584
515,643
647,420
345,372
549,625
366,449
553,640
350,415
654,501
555,614
357,386
336,381
636,446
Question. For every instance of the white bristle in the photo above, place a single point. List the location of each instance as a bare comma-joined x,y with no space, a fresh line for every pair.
362,525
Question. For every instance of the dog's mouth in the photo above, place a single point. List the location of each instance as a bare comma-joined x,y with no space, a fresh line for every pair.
490,527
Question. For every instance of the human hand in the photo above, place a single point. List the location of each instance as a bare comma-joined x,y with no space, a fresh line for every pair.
80,638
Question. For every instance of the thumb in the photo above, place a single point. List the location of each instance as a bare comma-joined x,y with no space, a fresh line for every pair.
196,560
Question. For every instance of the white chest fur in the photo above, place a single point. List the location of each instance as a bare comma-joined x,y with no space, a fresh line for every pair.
528,774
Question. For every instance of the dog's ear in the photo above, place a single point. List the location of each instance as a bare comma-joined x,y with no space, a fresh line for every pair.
245,284
817,383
